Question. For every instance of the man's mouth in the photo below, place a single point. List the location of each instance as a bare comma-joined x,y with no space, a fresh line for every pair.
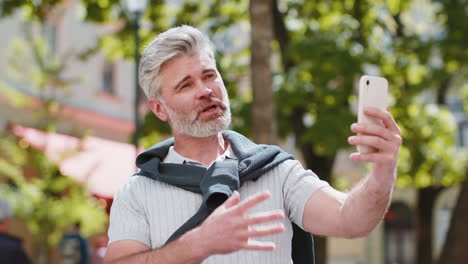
210,107
212,110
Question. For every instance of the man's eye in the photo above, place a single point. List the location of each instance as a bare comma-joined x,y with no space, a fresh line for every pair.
210,76
183,86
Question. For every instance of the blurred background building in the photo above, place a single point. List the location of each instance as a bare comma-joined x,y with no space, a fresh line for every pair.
96,113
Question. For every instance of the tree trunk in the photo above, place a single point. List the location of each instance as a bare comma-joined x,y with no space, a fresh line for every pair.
263,107
424,235
42,250
455,249
322,166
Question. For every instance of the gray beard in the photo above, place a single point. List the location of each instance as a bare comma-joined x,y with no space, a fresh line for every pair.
187,123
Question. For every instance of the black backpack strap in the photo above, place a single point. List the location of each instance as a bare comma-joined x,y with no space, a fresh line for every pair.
302,246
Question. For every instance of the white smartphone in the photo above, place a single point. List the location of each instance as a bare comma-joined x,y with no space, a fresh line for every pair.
373,92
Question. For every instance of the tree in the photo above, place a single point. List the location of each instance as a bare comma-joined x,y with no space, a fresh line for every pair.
453,45
431,159
454,250
323,55
261,34
49,202
317,82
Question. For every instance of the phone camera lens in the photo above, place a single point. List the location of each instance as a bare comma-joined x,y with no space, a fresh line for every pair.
367,82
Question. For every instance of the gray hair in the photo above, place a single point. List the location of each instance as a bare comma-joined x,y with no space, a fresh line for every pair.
178,41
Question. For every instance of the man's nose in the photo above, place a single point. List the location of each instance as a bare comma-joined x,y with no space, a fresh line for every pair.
204,91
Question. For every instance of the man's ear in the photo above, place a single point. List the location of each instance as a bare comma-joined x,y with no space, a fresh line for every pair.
158,109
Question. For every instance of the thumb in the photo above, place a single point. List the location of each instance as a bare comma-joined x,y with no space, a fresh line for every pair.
232,200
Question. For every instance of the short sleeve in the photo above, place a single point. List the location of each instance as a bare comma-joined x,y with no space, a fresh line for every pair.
298,186
128,220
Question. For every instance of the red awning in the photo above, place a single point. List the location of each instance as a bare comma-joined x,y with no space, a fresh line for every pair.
103,165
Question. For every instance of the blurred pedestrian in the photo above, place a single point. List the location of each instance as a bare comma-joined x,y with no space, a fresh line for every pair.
11,249
74,248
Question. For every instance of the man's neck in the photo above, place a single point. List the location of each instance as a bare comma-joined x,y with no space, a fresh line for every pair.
205,150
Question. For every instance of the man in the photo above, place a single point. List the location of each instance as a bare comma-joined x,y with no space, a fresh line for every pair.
74,248
250,194
10,246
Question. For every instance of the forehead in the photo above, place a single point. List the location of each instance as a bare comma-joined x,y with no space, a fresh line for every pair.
185,65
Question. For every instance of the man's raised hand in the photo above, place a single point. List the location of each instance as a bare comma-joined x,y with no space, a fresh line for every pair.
230,228
385,138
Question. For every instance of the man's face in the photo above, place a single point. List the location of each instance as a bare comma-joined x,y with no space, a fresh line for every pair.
194,99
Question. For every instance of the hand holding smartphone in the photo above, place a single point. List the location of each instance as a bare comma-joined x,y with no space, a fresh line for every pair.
373,92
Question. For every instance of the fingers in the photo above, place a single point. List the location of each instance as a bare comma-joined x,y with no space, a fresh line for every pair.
252,201
232,200
371,129
260,245
265,230
375,130
254,224
231,228
372,141
264,217
385,116
370,157
386,139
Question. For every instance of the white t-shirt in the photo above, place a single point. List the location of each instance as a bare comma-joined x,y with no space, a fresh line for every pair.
149,211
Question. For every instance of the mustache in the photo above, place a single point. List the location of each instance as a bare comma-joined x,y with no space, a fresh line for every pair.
220,102
209,101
